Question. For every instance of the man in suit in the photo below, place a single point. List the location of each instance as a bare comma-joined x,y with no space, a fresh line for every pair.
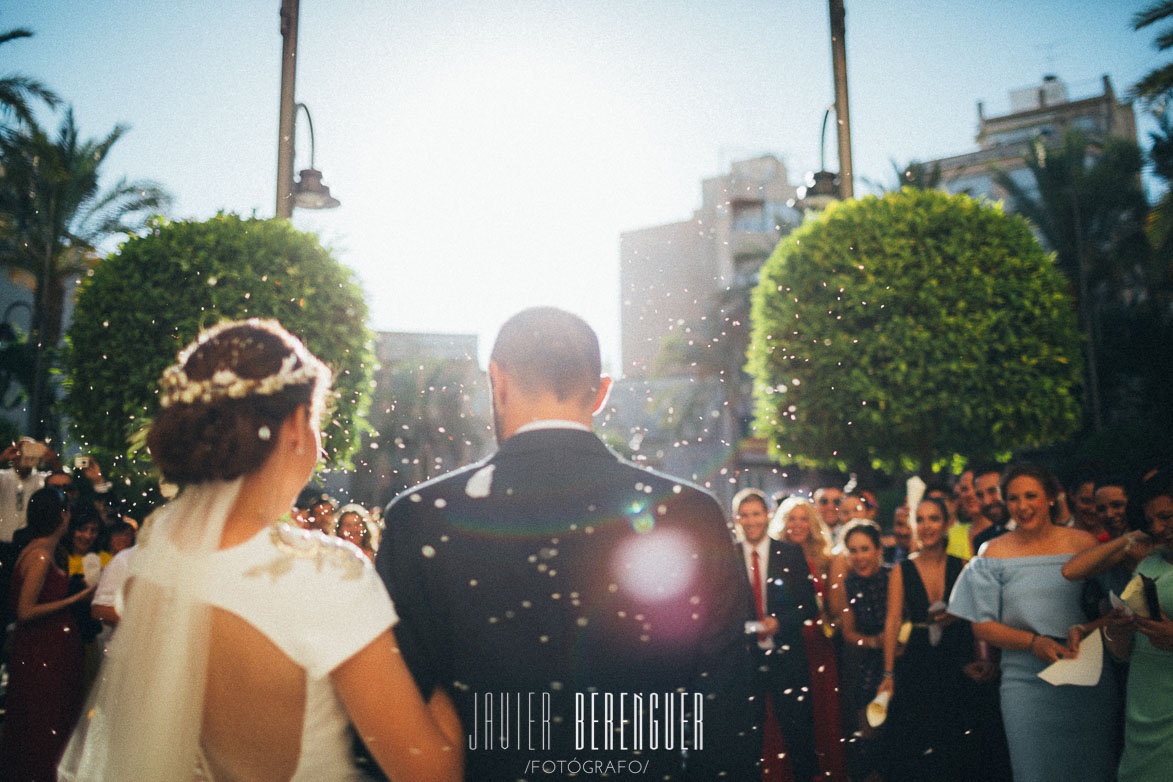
783,599
575,606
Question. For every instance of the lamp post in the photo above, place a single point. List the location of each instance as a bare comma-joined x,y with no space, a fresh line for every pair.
842,116
285,115
308,192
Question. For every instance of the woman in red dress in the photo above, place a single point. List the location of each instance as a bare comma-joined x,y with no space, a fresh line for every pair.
797,522
45,673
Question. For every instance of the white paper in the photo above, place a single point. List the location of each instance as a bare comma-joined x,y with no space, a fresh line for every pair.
1118,603
935,630
1084,670
914,493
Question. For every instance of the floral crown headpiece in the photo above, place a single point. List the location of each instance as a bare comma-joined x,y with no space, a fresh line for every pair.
298,368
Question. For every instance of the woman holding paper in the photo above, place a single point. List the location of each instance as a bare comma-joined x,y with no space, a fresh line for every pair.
1017,599
1148,724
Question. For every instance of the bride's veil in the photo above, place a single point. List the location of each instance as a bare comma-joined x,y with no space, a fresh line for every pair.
144,716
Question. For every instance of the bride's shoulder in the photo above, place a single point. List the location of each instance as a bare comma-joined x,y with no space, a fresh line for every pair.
316,553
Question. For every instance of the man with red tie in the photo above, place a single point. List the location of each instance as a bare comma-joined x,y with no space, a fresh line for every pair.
784,598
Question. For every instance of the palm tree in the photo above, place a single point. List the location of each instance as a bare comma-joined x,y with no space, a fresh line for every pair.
1160,222
916,174
1159,81
54,217
1088,206
16,89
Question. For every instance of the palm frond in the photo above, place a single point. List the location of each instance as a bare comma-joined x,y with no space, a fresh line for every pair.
1154,13
17,92
12,35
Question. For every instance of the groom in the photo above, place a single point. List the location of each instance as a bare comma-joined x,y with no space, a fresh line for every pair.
577,608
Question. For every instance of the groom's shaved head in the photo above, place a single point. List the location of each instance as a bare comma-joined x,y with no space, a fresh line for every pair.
548,349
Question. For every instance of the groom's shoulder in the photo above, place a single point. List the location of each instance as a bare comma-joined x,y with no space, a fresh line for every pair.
665,485
438,488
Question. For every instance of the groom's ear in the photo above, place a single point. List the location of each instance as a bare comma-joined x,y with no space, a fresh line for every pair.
602,394
498,383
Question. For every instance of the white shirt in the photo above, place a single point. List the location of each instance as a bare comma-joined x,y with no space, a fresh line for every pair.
551,423
14,499
109,591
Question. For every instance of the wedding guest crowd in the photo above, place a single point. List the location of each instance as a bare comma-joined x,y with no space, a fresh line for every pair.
937,632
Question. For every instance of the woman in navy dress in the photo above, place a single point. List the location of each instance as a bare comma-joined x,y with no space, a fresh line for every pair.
930,724
866,591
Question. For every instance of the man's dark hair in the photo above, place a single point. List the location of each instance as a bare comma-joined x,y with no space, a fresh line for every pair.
1084,473
1158,483
549,349
750,494
937,484
1116,480
985,468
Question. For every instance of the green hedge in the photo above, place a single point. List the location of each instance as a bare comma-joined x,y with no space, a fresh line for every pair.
905,330
143,304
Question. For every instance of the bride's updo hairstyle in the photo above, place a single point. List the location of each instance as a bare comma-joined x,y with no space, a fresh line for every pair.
223,402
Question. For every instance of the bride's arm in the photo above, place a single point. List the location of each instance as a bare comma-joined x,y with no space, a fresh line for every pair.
411,740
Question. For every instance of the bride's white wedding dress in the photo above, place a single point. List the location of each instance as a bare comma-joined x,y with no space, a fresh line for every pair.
315,597
318,599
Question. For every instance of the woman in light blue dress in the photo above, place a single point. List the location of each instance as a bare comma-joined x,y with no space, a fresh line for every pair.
1017,599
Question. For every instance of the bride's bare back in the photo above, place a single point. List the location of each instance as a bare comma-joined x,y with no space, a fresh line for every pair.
254,706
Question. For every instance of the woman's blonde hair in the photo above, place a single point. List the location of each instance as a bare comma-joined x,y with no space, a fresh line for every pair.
818,544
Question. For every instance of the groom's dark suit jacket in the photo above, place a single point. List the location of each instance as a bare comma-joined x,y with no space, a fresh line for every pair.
556,567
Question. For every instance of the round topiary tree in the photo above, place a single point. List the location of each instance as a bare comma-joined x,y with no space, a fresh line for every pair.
903,330
143,304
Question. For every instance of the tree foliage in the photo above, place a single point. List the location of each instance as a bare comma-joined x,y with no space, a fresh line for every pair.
901,330
17,91
1159,80
54,215
922,176
144,303
1088,205
429,416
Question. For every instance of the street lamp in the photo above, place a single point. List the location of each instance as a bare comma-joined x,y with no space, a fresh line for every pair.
822,187
7,330
308,192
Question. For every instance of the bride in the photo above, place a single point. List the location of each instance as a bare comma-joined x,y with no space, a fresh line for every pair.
246,645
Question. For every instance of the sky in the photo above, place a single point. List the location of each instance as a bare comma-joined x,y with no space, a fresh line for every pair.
488,155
